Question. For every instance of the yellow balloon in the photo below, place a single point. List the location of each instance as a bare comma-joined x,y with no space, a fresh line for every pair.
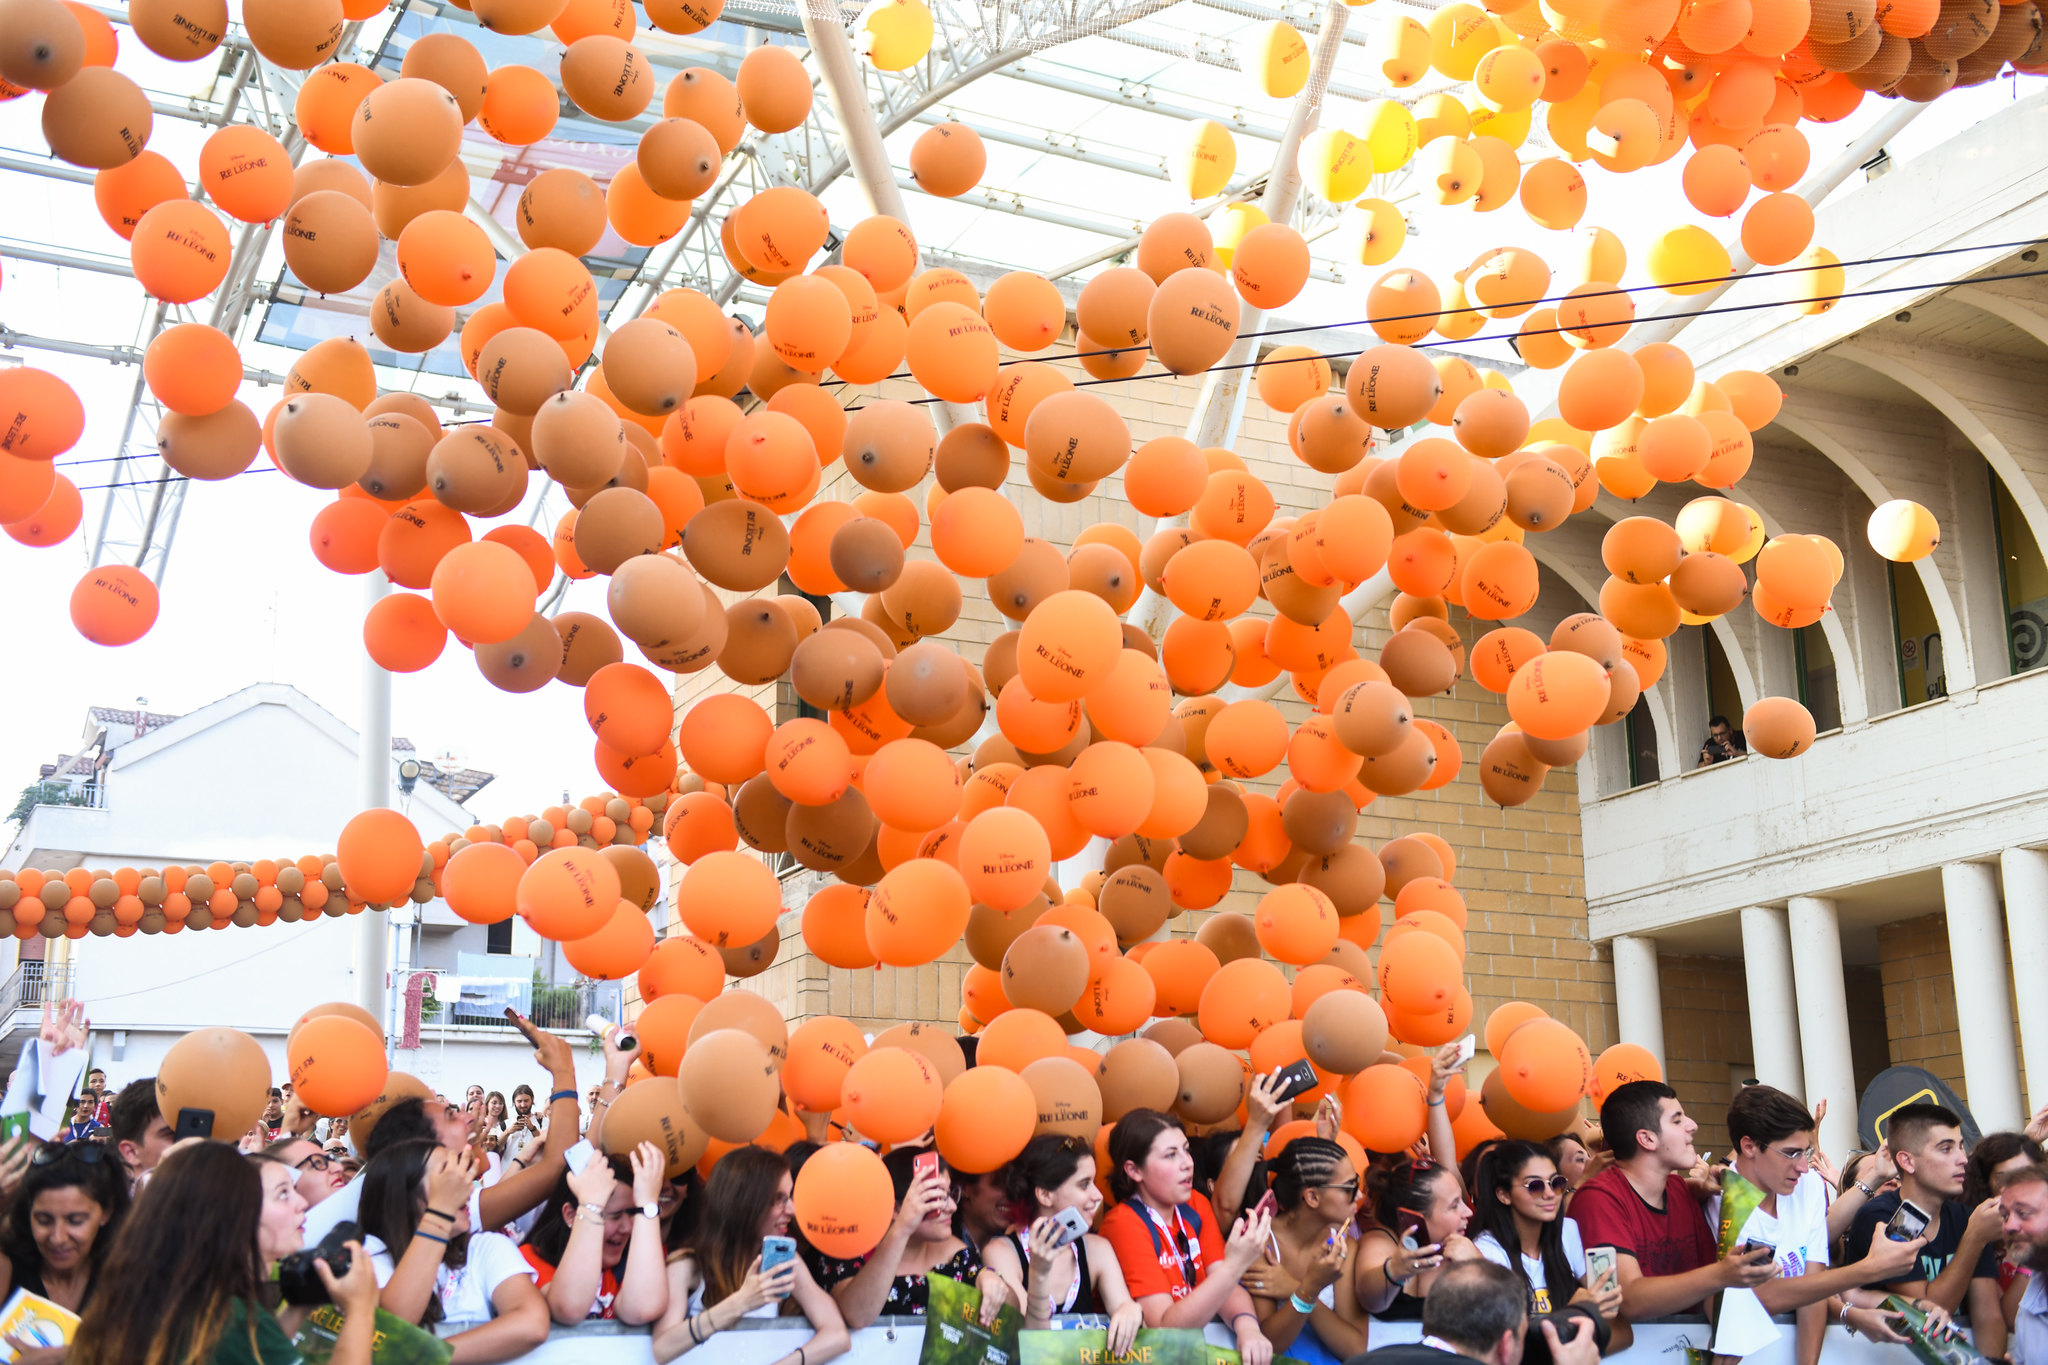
1509,125
1819,288
1206,159
1570,120
1595,254
1372,232
1231,224
895,34
1439,115
1903,531
1459,35
1277,60
1400,47
1687,260
1389,132
1500,173
1459,319
1451,170
1335,165
1509,77
1756,538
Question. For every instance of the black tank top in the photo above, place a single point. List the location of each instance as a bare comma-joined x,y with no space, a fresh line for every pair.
1081,1294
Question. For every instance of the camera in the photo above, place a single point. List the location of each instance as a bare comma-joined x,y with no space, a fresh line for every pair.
1568,1321
299,1283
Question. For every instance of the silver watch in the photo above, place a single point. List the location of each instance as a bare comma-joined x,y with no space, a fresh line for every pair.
651,1211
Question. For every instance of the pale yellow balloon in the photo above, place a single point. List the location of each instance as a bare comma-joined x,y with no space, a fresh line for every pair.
1816,290
1205,160
1756,540
1440,115
1230,225
1400,48
1335,164
1509,125
1277,60
1687,260
895,34
1594,254
1459,319
1372,232
1389,132
1459,35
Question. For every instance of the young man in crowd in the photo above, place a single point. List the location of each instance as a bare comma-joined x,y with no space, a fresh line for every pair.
1774,1144
1644,1207
273,1113
320,1173
137,1131
2023,1205
524,1127
1958,1262
1480,1311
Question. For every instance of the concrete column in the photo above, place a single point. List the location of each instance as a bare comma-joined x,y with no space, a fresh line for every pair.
1638,995
373,789
2026,928
1976,950
1773,1013
1816,944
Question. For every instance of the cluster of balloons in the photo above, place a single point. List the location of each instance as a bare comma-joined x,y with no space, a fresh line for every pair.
334,1055
381,861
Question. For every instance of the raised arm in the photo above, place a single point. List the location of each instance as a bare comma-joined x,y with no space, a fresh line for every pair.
860,1297
579,1276
643,1280
520,1191
1263,1107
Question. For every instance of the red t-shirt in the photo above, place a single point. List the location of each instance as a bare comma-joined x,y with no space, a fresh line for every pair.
1666,1241
608,1285
1164,1259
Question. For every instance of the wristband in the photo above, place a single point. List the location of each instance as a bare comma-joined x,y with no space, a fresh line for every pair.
1241,1316
436,1213
562,1095
1301,1305
1437,1103
431,1237
1392,1279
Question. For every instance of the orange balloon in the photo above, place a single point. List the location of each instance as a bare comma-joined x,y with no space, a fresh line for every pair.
520,105
892,1094
986,1116
1018,1037
1385,1108
1005,857
952,352
821,1051
1180,970
192,369
1544,1065
729,899
723,738
481,882
844,1199
247,172
568,893
336,1064
484,592
446,258
179,251
1296,924
616,950
918,910
379,856
1619,1065
401,632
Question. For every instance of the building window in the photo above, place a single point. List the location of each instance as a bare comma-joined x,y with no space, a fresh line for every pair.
1641,731
2023,577
1724,698
1916,638
1814,660
498,938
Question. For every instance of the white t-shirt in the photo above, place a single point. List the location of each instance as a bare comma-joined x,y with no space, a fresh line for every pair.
1545,1302
345,1204
465,1291
1799,1230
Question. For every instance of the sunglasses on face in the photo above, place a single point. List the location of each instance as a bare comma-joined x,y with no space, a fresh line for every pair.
50,1153
1536,1184
1349,1189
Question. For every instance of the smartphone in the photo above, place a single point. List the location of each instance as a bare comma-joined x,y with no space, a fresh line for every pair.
1414,1227
1907,1224
926,1164
1467,1046
1599,1262
1297,1078
1269,1204
1072,1227
579,1156
1749,1248
776,1252
199,1123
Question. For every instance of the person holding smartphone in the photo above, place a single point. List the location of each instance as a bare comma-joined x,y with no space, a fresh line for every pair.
1060,1270
1958,1261
1303,1287
719,1278
1418,1226
890,1280
1168,1240
1521,1225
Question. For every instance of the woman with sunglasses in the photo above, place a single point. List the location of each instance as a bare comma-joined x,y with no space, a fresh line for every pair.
890,1280
59,1227
1418,1223
319,1173
1303,1288
1521,1226
1081,1275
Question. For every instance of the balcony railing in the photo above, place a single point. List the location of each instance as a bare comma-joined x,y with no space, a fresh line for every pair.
34,982
481,1002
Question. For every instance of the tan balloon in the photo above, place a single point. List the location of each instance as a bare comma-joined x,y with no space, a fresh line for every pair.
406,131
330,241
322,441
98,119
728,1085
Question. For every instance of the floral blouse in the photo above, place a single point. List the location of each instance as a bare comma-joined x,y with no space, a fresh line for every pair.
907,1294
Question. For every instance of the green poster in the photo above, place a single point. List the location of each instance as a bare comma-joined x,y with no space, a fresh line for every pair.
1739,1199
953,1334
1931,1345
1090,1346
397,1342
1223,1355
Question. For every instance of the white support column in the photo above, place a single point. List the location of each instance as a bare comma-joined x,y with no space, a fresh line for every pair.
1816,940
1976,950
1638,994
373,789
1773,1014
2026,928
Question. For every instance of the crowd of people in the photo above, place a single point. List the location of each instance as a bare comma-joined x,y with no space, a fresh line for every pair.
491,1222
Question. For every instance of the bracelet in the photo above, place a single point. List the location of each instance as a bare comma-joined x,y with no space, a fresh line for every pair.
1868,1193
436,1213
800,1356
695,1336
562,1095
1301,1306
1387,1271
1240,1316
431,1237
583,1212
1437,1103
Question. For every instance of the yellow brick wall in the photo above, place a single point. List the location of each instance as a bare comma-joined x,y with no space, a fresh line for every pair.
1707,1049
1920,997
1521,870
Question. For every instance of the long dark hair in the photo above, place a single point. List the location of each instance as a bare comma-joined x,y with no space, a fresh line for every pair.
1131,1141
1047,1162
393,1198
737,1199
1502,1165
181,1261
104,1181
1992,1151
550,1235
